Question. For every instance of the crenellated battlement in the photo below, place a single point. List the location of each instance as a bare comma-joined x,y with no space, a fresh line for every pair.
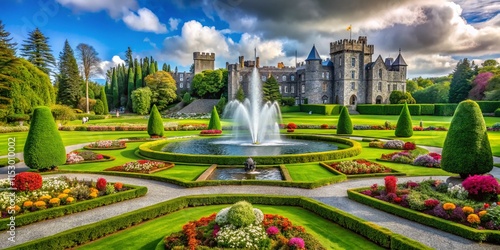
352,45
204,56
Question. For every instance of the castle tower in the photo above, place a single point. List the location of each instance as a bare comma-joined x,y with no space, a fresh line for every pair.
313,91
400,65
203,61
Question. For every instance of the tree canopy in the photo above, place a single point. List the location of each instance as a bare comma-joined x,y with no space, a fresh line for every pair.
460,83
163,89
210,83
36,50
271,90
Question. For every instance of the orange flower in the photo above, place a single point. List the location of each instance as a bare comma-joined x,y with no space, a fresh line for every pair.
45,198
473,219
66,191
40,204
93,194
93,190
69,199
449,206
27,204
55,202
468,210
62,196
482,213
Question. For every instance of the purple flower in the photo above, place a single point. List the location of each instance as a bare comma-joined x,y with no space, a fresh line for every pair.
272,230
296,242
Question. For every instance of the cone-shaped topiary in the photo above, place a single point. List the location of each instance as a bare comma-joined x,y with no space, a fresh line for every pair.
466,149
214,120
155,123
404,126
44,148
344,125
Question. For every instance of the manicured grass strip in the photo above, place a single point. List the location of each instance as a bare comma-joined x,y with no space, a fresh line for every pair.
28,218
5,161
80,235
429,220
309,172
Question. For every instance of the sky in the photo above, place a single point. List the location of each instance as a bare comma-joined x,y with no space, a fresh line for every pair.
433,35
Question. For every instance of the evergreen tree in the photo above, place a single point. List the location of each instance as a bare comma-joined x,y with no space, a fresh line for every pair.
156,66
69,78
155,123
214,120
404,127
116,96
164,67
466,149
460,83
152,67
145,68
129,61
37,51
104,100
138,75
240,94
122,88
163,89
5,39
8,63
131,87
271,90
344,125
90,66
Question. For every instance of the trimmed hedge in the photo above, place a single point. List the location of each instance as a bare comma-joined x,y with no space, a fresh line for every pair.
155,123
488,106
426,109
404,127
288,109
28,218
5,161
429,220
392,109
214,120
84,234
322,109
497,112
92,117
146,150
445,109
344,124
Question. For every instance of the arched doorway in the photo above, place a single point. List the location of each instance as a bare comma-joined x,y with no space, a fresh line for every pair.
324,99
378,100
353,100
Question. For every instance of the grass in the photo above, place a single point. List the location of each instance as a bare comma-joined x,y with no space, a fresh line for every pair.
308,172
147,235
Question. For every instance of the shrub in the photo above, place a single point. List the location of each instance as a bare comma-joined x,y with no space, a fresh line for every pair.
214,120
497,112
390,184
27,181
99,107
344,125
155,123
394,144
141,100
427,161
44,148
466,149
404,127
241,214
186,98
62,113
287,101
291,125
482,187
409,146
101,184
17,117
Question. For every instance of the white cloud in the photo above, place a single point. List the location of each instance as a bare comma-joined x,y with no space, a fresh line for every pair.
105,65
173,23
145,20
115,8
147,40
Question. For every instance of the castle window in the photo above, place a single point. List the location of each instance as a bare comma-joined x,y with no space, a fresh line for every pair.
292,78
286,89
241,78
340,61
292,89
353,62
303,88
394,87
325,86
283,78
353,74
379,86
181,77
263,78
280,89
302,76
188,85
327,75
323,75
181,85
389,88
340,74
353,86
380,73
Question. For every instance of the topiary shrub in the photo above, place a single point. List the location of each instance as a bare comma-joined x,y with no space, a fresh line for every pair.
44,148
27,181
99,107
466,149
214,120
344,125
155,123
241,214
404,127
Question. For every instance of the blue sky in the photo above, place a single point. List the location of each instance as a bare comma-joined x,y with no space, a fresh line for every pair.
433,35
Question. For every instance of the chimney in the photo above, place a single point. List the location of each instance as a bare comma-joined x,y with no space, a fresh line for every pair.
257,63
242,61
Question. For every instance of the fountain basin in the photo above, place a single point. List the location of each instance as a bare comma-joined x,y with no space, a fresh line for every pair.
349,148
229,173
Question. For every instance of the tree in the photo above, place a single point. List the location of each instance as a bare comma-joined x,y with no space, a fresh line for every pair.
344,124
210,83
437,93
129,61
90,66
214,120
141,100
104,100
162,87
131,87
8,63
37,51
44,148
99,107
460,83
404,126
138,75
114,88
186,98
412,86
271,90
399,97
479,85
221,104
69,77
493,89
466,149
240,95
155,123
164,67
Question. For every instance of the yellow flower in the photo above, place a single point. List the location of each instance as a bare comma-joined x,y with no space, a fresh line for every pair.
468,210
473,219
16,208
449,206
45,197
55,201
70,199
62,196
66,191
40,204
482,213
27,204
93,190
93,194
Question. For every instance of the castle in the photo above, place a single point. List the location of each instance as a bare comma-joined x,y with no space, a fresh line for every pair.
348,77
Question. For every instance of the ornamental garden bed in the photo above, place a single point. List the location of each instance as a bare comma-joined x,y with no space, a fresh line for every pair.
140,139
470,210
392,144
142,166
86,156
106,145
211,132
360,168
37,200
431,160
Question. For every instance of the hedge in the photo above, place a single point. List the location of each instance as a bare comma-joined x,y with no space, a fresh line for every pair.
84,234
287,109
429,220
497,112
355,149
92,117
5,161
439,109
488,106
28,218
322,109
445,109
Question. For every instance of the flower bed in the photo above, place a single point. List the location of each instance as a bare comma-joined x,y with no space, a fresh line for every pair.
448,207
211,132
242,226
142,166
431,160
359,166
86,156
393,144
106,144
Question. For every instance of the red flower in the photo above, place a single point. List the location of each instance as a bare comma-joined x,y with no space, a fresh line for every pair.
486,205
397,199
101,184
27,181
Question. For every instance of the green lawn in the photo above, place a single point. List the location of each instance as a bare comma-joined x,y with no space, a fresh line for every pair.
308,172
147,235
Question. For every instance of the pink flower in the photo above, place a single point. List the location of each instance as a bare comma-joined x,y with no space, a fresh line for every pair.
272,230
296,242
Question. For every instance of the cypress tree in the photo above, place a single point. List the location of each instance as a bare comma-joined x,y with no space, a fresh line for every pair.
128,57
116,96
69,78
214,120
404,126
344,124
131,87
138,75
152,67
104,100
44,148
155,123
460,83
36,50
466,149
164,67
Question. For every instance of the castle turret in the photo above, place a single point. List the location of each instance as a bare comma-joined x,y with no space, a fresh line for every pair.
203,61
400,65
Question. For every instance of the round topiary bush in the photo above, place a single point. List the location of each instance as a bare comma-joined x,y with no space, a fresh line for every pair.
241,214
404,127
155,123
44,148
214,120
466,149
344,125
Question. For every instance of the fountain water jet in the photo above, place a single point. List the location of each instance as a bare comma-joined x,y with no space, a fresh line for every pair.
260,120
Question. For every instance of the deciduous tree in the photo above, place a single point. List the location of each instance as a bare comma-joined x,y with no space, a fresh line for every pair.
90,66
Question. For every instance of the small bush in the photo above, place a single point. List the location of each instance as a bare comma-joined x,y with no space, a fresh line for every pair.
497,112
155,123
291,125
214,123
99,107
241,214
482,187
404,127
28,181
344,125
17,117
62,113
